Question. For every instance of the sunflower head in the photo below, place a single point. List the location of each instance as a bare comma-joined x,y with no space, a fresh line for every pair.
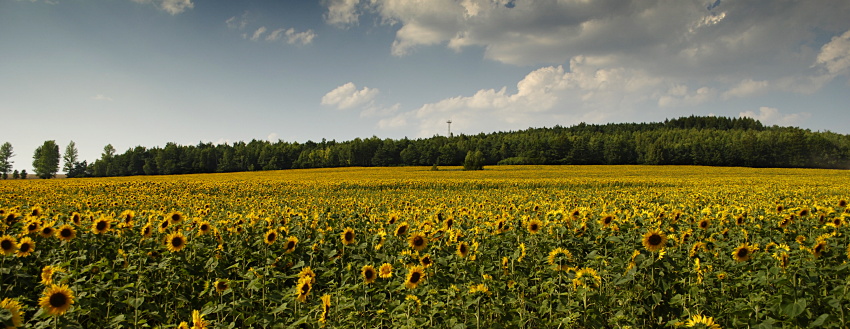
302,289
558,258
743,252
369,274
8,245
147,231
198,321
819,248
534,226
417,241
175,241
842,203
56,299
221,285
175,217
654,240
415,276
13,307
705,321
25,247
291,243
204,228
385,271
401,229
33,226
703,224
66,232
426,261
36,211
76,218
347,236
270,237
607,220
306,272
101,225
462,249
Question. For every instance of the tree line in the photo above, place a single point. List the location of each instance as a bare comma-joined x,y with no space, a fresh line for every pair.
711,141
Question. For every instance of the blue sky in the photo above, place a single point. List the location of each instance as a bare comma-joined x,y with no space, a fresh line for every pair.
148,72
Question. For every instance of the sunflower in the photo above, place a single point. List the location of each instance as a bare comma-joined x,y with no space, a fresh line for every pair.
10,218
426,261
307,273
740,220
66,232
842,203
743,252
183,325
291,243
785,221
462,249
401,229
175,217
56,299
8,245
25,247
33,226
46,230
147,231
175,241
417,241
414,277
204,228
607,220
47,273
706,321
501,227
302,289
127,216
326,307
558,258
347,236
163,225
369,274
819,248
589,273
76,218
13,307
221,285
198,321
36,211
654,240
386,271
101,225
270,237
704,223
534,226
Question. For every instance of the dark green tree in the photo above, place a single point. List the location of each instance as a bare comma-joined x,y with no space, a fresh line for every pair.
5,154
474,160
16,174
69,157
46,160
24,174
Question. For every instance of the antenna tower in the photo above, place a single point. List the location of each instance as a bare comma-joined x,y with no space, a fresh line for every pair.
450,128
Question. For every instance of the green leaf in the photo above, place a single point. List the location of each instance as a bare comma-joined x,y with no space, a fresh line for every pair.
794,309
135,302
820,320
116,321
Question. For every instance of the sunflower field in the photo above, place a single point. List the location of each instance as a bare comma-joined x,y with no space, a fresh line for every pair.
507,247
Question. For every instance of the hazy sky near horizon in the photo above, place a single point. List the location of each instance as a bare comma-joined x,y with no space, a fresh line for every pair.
148,72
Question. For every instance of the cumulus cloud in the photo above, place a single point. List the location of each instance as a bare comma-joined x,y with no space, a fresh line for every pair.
732,40
680,95
237,22
746,87
772,116
342,13
835,55
272,137
172,7
348,96
586,92
302,38
258,33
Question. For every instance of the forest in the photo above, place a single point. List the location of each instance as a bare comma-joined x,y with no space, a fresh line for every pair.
708,141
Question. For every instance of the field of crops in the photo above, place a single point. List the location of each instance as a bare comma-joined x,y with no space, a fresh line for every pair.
507,247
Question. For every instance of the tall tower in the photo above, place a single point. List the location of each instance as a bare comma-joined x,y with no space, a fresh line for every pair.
450,128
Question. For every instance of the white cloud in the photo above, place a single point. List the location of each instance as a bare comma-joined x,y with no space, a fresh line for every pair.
175,7
835,55
544,97
274,35
272,137
101,97
342,13
237,23
172,7
259,32
303,38
347,96
680,95
772,116
746,87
